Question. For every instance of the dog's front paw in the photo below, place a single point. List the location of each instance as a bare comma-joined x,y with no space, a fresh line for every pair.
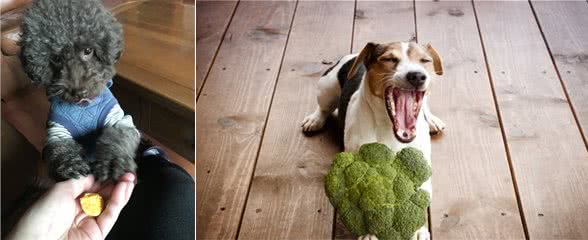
436,126
73,167
368,237
422,234
65,160
314,121
115,153
110,166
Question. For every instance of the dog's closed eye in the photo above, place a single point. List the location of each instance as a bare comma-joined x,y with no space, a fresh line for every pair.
393,59
390,59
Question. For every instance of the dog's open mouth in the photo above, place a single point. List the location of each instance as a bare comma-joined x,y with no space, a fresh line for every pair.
403,107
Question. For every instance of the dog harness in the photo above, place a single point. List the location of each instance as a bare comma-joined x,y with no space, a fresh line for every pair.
83,122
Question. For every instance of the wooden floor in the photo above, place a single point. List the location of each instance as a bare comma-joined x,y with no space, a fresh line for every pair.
513,163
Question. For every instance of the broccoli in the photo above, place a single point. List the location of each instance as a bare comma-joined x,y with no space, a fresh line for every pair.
376,192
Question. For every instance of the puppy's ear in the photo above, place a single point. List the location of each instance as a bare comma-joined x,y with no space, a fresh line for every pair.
437,61
365,57
110,46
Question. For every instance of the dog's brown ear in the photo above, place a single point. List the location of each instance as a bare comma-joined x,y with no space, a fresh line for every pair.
437,61
363,58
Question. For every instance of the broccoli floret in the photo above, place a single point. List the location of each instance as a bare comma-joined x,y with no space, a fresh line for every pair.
375,191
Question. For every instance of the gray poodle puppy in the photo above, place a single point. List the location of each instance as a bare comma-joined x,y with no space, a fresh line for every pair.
70,48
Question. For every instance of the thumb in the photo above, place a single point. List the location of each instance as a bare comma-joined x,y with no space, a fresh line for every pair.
78,186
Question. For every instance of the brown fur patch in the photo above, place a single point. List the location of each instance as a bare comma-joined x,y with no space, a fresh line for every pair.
417,53
381,61
382,69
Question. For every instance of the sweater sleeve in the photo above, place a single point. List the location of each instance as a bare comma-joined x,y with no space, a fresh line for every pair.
56,131
117,117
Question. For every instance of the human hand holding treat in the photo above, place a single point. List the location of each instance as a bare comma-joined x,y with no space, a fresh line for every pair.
58,214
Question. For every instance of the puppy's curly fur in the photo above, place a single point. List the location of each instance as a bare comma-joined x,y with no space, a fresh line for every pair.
55,34
70,48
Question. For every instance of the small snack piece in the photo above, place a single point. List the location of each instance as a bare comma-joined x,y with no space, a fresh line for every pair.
92,204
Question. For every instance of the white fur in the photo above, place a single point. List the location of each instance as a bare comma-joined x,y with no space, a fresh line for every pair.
367,120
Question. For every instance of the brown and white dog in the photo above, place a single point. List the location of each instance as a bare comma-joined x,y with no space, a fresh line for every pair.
381,95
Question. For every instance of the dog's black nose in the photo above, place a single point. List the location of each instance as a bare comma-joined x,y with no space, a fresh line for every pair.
80,93
417,79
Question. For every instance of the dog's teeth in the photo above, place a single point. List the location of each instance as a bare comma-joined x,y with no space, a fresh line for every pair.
393,107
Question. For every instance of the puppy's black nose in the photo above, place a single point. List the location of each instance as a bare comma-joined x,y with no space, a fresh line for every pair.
416,79
80,93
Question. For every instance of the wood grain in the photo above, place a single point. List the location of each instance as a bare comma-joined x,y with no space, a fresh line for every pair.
159,49
232,109
212,20
471,152
383,22
565,30
546,150
287,198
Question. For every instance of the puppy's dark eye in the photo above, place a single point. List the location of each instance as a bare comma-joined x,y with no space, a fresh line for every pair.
424,60
88,51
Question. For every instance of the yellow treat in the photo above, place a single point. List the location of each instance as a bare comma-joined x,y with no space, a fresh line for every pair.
92,204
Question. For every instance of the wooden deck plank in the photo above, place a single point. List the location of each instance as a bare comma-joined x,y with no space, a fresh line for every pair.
546,149
212,19
564,27
381,22
471,152
287,198
232,110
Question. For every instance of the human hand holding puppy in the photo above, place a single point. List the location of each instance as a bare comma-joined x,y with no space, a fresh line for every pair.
58,215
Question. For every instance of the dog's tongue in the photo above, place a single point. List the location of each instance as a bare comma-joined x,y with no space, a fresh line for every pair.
403,109
84,102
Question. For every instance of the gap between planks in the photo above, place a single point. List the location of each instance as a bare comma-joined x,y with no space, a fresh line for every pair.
563,85
499,116
297,81
212,61
536,188
265,122
245,129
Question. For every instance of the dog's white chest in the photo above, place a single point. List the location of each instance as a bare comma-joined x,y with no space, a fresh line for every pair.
385,135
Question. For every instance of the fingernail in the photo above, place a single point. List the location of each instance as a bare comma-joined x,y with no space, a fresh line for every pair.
127,177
